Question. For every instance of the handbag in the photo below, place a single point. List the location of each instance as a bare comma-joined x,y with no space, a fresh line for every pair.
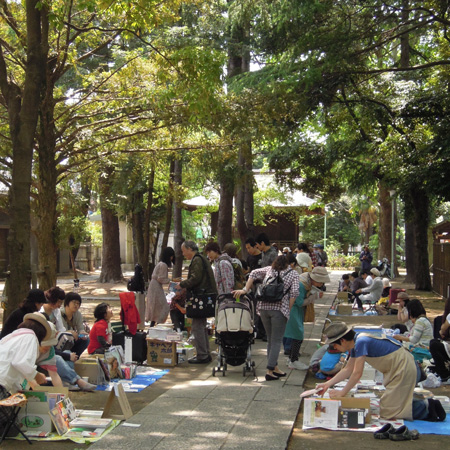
199,303
310,315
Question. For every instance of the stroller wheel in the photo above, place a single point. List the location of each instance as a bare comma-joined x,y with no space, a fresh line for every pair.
223,372
253,364
225,367
244,371
214,372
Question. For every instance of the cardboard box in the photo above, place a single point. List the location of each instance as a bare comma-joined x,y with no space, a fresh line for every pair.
344,309
161,353
35,415
88,367
357,403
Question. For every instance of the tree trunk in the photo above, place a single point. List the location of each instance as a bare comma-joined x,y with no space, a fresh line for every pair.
177,221
420,203
244,197
47,199
385,224
224,231
169,204
410,245
111,271
22,105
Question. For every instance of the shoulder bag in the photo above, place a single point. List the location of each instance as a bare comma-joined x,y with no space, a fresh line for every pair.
199,303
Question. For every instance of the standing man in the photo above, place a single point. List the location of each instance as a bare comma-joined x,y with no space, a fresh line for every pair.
200,277
254,255
269,253
366,259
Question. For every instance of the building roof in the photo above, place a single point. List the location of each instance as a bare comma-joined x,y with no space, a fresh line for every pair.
264,182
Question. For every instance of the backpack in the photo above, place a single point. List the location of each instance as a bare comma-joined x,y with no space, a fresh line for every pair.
271,289
137,282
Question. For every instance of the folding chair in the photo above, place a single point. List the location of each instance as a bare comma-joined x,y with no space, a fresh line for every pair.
11,407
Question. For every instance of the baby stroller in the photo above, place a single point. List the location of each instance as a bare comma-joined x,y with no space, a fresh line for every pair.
234,333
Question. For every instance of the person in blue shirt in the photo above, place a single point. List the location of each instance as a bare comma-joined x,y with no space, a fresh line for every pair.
397,365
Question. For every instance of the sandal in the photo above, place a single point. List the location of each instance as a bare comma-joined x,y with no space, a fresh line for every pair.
384,431
403,434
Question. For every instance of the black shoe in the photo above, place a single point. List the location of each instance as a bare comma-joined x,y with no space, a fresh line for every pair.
279,374
264,339
384,432
200,361
271,377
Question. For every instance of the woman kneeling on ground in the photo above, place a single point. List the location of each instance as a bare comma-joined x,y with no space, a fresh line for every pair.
397,365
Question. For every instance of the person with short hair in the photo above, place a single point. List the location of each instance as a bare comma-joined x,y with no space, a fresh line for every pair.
100,337
269,252
254,254
200,278
73,322
400,373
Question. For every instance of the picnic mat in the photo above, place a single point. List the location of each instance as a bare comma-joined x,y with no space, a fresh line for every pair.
138,383
424,427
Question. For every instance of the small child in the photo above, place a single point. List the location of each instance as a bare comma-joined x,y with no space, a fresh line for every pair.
177,308
100,337
332,361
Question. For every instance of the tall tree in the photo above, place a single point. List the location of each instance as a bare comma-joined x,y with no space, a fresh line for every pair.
21,101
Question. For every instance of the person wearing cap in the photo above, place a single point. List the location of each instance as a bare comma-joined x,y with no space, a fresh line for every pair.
274,315
309,291
33,303
371,293
388,356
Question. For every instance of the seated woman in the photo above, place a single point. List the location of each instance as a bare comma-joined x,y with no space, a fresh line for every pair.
422,332
72,319
100,337
55,297
33,303
397,365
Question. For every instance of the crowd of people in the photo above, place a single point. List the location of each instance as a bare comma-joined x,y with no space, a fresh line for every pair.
47,333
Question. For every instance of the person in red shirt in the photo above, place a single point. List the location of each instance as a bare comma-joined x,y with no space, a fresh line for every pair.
100,337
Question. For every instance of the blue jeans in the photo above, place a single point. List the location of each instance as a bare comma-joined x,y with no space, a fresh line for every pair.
420,409
66,370
275,324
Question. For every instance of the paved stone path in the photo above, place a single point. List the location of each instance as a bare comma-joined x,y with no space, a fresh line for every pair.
231,412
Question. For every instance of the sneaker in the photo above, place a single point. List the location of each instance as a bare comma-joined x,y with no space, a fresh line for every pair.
298,365
445,380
